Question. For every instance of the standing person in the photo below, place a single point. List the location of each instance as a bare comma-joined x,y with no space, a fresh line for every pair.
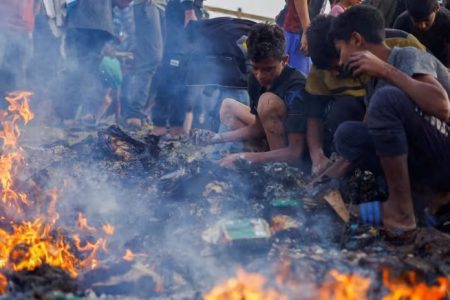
171,104
149,26
89,27
430,23
407,134
341,5
17,21
296,22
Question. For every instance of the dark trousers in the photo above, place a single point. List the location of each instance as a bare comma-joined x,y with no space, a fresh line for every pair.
334,110
149,21
171,103
396,126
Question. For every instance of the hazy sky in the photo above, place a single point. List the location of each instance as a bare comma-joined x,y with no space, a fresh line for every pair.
266,8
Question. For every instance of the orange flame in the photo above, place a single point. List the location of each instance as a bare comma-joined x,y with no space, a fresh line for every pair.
83,223
129,255
244,286
410,288
344,287
3,283
12,158
108,229
30,244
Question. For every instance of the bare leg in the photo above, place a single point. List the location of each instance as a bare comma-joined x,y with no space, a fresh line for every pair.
314,136
235,115
272,112
398,210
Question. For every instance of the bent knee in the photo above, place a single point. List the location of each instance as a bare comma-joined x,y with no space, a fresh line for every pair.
271,105
228,110
388,97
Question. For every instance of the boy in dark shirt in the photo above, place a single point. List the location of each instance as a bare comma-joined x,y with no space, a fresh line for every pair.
406,137
430,23
276,112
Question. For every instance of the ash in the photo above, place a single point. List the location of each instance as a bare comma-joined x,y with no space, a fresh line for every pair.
168,204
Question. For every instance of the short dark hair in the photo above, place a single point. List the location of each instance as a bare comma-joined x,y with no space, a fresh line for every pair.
363,19
421,9
320,44
265,41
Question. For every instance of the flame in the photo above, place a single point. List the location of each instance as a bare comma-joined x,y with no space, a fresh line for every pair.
3,283
20,102
245,286
344,287
108,229
83,223
29,244
12,157
410,288
130,256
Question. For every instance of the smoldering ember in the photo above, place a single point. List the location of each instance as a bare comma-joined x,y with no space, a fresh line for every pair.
114,215
149,150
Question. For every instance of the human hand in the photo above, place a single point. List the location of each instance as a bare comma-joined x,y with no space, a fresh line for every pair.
189,15
230,160
366,63
203,137
304,44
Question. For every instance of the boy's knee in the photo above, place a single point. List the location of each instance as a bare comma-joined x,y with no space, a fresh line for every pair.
388,98
227,111
351,139
271,106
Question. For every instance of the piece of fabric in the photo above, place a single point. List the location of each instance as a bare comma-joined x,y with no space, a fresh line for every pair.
289,86
436,39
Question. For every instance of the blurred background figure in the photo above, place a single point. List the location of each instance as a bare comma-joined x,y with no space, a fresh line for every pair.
149,20
17,20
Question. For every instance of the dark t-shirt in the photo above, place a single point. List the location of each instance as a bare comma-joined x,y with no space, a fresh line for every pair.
289,86
436,39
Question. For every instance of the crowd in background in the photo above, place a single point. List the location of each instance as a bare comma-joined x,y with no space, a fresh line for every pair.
94,58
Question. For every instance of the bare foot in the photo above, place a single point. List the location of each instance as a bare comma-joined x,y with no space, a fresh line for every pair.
398,214
158,131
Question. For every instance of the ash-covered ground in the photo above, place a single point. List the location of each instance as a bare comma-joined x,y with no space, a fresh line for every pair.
169,208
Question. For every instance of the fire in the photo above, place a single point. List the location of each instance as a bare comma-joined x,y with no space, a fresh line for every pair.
28,244
108,229
3,284
130,256
12,157
410,288
344,287
245,286
83,223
